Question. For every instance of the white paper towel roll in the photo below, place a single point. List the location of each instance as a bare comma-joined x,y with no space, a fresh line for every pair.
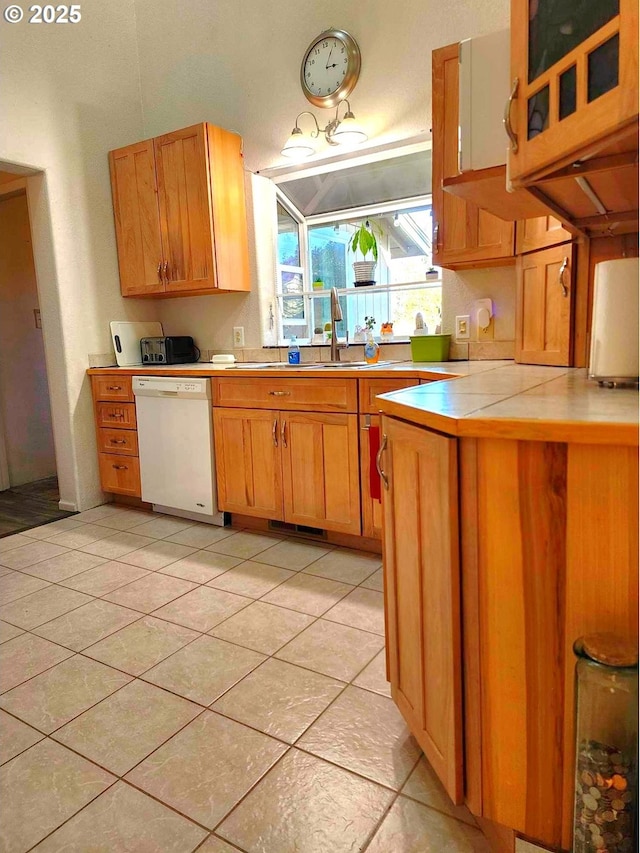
614,329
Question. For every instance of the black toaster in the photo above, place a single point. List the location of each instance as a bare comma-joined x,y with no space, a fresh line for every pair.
169,349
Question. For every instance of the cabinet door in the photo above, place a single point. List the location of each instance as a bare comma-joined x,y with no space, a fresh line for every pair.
137,222
463,235
370,484
539,233
320,466
422,592
229,210
248,465
544,301
577,71
185,210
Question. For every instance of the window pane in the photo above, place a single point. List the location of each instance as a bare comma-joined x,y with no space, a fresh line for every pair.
557,26
288,239
404,248
603,68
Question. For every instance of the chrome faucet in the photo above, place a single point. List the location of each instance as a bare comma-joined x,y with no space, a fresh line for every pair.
336,317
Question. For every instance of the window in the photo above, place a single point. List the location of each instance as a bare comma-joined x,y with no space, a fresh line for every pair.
315,254
320,206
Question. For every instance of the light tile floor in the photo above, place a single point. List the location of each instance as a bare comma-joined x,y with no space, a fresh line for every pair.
169,686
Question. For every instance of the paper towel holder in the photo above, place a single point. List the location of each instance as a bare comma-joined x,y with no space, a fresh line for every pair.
614,359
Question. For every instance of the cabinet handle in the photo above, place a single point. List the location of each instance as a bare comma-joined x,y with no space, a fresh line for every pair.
114,387
165,271
436,234
112,415
381,450
565,289
506,120
160,271
118,441
280,393
120,467
283,433
274,432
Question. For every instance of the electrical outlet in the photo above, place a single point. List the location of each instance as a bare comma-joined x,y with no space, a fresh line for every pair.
486,333
462,327
238,336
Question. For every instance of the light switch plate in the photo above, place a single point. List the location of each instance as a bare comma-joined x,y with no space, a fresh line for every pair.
463,322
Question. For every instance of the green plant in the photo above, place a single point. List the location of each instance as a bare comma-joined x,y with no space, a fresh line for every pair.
370,322
365,240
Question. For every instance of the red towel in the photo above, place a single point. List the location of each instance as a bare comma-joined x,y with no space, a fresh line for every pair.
375,489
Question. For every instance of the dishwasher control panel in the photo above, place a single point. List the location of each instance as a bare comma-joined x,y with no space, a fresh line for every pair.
168,386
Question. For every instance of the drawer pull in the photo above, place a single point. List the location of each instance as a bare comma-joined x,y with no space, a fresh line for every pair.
114,415
383,476
114,387
280,393
118,441
121,467
275,432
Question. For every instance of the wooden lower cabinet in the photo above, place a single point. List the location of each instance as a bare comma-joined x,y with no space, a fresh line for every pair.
544,306
422,592
539,541
248,464
320,466
289,466
372,521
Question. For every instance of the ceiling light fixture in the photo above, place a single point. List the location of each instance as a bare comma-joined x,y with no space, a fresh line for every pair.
339,131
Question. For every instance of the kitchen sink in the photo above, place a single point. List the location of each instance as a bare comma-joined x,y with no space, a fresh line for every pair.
310,365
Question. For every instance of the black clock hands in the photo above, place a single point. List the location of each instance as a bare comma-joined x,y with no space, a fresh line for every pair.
327,66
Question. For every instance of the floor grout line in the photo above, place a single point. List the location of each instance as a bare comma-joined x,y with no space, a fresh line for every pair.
272,656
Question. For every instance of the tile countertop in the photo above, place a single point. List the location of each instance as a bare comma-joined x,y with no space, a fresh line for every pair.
409,369
497,399
522,402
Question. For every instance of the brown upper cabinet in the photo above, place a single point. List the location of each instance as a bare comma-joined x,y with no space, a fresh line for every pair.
539,233
574,68
464,236
545,299
180,216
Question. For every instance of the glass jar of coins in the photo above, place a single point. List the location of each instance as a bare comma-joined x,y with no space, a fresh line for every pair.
606,797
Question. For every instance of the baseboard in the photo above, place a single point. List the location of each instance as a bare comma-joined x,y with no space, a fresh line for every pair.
345,540
67,506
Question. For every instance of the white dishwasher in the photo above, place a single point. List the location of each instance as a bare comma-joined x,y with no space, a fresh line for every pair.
175,438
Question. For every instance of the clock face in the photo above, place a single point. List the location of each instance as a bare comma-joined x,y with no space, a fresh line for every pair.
330,68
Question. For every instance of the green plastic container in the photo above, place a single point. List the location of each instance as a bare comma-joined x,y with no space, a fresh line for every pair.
430,347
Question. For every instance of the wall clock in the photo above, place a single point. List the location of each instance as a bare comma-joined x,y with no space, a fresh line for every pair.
330,68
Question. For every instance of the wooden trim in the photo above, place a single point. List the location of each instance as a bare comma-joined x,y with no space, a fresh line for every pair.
345,540
467,454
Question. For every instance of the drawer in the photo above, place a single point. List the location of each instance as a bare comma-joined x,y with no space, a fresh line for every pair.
114,415
370,388
112,388
120,474
122,441
320,395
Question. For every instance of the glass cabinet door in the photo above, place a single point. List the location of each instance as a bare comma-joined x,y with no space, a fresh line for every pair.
571,58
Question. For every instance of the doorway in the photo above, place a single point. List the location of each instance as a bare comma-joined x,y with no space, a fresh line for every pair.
28,482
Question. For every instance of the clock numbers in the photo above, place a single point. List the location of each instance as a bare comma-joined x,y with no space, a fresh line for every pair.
330,68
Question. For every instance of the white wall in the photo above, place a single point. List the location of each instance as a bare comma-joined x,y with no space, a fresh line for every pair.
67,95
24,395
236,63
136,68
